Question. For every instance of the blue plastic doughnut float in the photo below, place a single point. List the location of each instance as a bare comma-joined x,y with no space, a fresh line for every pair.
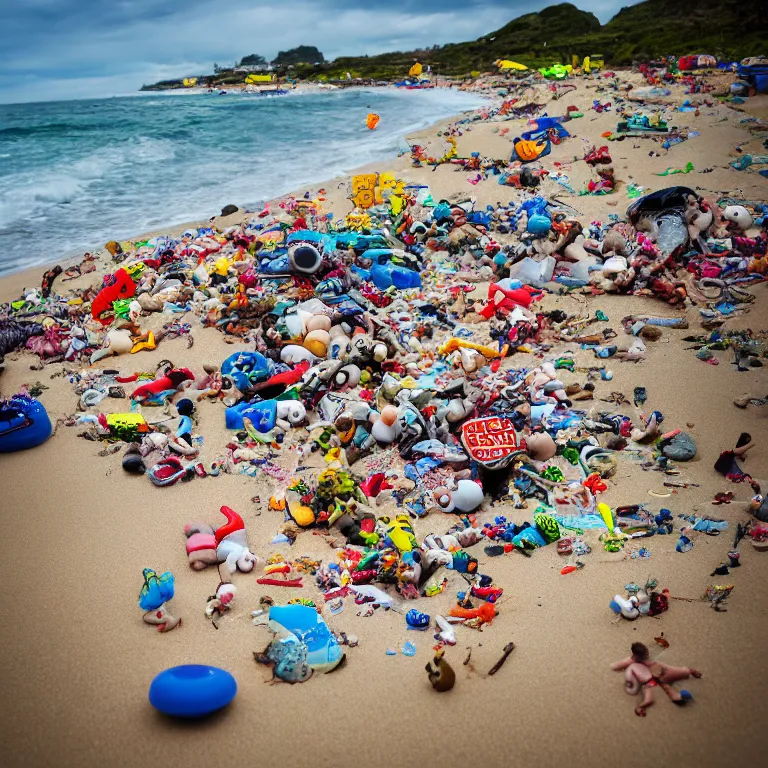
192,690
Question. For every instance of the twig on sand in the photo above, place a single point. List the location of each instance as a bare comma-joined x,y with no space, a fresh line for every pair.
508,648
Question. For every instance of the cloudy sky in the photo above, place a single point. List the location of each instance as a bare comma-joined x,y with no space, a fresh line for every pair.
67,49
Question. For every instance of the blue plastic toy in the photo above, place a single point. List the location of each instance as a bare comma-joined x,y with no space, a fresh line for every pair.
192,690
538,224
417,620
156,590
531,536
385,274
539,220
247,368
263,414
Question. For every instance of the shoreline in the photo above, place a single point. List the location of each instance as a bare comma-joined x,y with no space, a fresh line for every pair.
29,277
11,283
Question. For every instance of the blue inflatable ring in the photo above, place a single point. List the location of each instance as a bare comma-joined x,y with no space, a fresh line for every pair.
192,690
24,423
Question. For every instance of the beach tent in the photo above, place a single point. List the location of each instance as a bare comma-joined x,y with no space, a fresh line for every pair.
505,65
415,70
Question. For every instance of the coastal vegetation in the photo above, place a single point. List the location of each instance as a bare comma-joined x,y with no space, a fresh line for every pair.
730,29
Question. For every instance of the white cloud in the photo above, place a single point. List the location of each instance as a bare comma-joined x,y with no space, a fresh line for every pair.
79,52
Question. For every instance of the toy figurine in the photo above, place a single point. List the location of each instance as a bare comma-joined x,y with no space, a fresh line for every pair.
441,675
279,572
155,593
266,415
221,602
227,546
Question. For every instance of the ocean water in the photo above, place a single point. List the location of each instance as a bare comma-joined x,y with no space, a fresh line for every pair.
76,174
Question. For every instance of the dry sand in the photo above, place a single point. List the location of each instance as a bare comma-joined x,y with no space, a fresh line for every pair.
78,660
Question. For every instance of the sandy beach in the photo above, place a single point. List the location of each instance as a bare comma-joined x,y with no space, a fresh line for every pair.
79,659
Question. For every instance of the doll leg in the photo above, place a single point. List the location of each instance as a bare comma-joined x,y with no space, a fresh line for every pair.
647,699
673,674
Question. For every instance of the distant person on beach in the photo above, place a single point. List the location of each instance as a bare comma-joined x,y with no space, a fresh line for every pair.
642,673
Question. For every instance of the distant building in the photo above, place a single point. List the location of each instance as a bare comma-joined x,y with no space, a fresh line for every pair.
254,68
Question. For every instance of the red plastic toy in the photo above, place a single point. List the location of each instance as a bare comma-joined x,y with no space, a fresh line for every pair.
122,288
171,380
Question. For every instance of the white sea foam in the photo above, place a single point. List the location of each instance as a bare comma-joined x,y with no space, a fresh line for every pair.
129,165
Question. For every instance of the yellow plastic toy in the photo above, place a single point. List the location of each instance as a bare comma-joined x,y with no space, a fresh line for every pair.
127,420
370,189
386,183
616,537
221,266
453,344
135,270
452,152
506,65
148,343
400,532
398,198
301,513
363,190
358,221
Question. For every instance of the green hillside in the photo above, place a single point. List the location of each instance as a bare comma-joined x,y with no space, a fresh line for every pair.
729,29
541,38
653,28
